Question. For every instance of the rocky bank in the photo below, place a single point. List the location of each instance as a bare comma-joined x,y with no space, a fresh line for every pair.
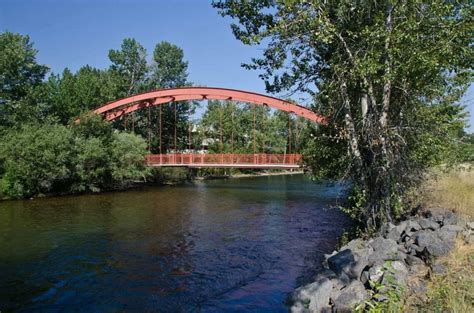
373,270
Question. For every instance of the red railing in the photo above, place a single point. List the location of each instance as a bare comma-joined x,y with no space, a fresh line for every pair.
260,159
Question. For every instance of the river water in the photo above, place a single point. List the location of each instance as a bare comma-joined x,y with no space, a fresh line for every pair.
237,245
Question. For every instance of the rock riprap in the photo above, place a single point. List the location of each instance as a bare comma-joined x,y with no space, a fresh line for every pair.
363,268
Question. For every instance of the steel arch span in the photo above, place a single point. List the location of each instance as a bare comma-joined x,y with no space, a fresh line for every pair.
116,109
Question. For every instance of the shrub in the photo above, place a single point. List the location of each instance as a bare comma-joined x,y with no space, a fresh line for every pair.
50,158
36,160
128,158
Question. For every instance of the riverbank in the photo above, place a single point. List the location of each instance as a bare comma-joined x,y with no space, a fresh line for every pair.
424,263
169,177
246,175
379,274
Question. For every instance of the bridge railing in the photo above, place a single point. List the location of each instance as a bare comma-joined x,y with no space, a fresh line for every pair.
223,158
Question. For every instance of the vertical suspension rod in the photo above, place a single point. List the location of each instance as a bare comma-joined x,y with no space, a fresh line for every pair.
175,128
133,122
263,130
289,133
149,129
232,131
160,132
254,130
190,129
220,123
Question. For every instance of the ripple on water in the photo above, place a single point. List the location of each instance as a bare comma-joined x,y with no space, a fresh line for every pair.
232,245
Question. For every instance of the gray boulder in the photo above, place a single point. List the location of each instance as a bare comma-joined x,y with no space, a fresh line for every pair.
349,264
414,249
451,218
408,244
453,228
433,243
376,273
344,279
399,272
341,261
447,235
412,227
354,245
438,218
326,257
427,223
381,244
384,249
395,232
355,270
395,275
364,277
313,297
386,227
350,296
413,260
419,270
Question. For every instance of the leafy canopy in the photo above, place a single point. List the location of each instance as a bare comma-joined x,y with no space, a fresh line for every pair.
388,74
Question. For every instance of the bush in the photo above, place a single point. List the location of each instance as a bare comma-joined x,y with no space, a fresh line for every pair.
92,167
128,158
36,160
51,158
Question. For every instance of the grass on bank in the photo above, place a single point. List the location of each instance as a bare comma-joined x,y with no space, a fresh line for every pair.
452,291
452,191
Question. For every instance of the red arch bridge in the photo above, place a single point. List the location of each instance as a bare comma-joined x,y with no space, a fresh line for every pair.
119,109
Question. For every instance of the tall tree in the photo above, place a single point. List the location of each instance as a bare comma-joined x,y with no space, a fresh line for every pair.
70,94
19,72
169,70
387,74
129,65
247,128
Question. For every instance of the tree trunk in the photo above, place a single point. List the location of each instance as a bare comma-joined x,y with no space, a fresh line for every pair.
353,141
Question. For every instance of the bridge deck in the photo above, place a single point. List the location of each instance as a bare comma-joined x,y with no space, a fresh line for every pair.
236,165
257,161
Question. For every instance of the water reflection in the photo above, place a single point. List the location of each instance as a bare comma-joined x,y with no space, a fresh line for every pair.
229,245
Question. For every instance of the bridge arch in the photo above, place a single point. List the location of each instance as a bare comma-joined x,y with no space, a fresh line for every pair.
116,109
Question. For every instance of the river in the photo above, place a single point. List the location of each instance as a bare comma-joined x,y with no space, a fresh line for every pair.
236,245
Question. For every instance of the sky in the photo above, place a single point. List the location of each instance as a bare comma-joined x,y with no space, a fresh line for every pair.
74,33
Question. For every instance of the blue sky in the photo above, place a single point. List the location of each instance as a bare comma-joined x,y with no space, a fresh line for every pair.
73,33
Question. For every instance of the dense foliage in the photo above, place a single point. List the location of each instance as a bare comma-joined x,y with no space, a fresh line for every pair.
42,149
388,74
20,74
241,128
45,158
465,147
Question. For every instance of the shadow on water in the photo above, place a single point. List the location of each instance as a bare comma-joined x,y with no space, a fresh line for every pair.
238,245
